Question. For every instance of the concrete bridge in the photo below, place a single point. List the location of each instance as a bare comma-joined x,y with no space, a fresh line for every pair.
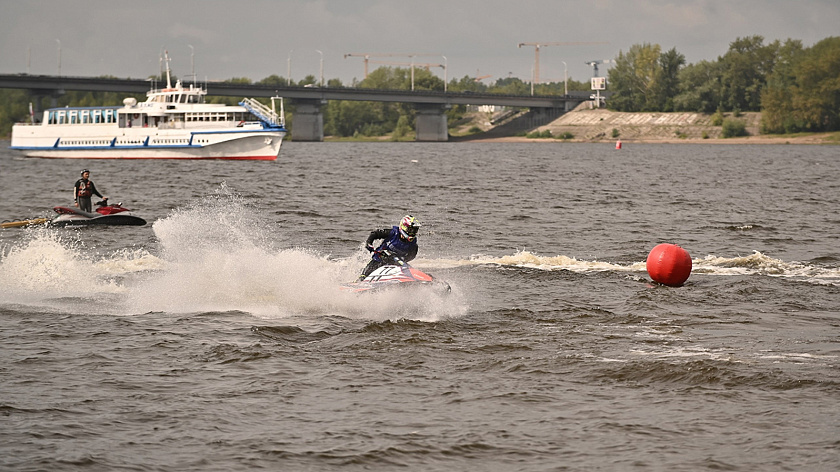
430,106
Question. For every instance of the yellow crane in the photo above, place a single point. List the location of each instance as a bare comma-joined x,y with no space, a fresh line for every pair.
537,47
368,55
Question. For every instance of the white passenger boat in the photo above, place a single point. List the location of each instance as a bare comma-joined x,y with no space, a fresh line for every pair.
173,123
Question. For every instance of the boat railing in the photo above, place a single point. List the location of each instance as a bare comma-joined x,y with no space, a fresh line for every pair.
262,112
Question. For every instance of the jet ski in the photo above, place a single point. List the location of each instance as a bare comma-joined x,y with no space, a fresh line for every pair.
113,214
396,274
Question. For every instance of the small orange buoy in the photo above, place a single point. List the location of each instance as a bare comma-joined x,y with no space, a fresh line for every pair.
618,144
669,265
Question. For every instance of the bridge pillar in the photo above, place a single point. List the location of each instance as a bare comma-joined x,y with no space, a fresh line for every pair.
431,122
36,96
543,116
308,121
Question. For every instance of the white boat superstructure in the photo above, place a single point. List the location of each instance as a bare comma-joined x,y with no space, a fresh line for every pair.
173,123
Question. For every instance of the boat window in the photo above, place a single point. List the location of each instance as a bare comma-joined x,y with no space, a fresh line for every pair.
97,116
85,116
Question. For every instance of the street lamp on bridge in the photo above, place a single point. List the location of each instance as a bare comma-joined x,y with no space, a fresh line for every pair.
322,67
59,56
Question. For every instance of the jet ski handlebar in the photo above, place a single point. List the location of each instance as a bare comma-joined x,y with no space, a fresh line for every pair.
387,256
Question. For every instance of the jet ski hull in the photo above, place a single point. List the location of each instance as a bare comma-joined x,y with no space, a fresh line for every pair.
397,277
105,215
118,220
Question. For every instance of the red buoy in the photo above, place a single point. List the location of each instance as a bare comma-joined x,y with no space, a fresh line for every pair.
669,265
618,144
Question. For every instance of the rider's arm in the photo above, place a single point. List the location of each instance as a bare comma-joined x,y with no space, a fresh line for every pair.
94,191
377,234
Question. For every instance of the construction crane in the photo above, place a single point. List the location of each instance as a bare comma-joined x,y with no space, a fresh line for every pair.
427,66
368,55
412,65
479,77
594,65
537,47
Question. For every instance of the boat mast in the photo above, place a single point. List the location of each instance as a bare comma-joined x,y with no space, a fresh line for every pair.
166,58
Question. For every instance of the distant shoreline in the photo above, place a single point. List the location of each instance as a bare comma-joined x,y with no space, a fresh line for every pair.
807,138
815,138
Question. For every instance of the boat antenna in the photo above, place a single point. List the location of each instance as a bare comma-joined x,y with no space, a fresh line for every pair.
168,81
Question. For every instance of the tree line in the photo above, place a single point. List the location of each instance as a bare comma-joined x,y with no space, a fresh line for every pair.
796,89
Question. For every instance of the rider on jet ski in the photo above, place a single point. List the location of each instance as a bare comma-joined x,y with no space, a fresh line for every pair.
83,189
401,241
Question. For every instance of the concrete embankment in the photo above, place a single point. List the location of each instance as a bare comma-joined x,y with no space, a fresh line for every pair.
585,124
604,125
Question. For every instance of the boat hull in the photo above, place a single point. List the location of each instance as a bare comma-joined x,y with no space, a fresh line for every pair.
261,145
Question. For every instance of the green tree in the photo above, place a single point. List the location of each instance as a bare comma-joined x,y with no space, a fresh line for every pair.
350,118
308,80
803,93
666,87
14,108
273,79
745,69
699,87
777,106
732,128
817,93
510,86
403,128
467,84
633,79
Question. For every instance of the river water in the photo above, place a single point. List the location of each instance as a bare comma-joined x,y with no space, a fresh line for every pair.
215,337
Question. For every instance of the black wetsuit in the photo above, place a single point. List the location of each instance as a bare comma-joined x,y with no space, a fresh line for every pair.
82,192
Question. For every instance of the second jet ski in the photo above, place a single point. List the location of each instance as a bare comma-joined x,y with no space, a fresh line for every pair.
105,214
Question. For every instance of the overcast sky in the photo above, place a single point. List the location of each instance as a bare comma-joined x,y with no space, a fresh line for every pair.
256,38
